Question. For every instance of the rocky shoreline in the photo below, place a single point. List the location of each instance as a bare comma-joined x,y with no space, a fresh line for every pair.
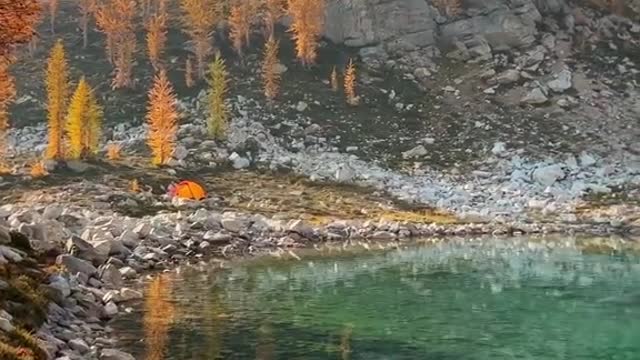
101,253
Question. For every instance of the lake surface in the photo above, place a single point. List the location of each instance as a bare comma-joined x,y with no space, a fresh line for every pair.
480,299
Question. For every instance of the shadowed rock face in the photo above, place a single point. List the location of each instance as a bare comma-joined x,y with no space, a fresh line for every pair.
397,27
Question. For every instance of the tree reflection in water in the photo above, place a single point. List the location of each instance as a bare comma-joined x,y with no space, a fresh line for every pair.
158,316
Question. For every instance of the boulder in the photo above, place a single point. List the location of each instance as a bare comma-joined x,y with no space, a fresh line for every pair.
535,97
75,265
344,173
562,81
508,76
5,236
111,276
239,162
84,250
548,175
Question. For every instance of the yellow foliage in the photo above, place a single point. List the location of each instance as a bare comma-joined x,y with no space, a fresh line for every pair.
156,39
350,84
7,94
58,92
162,118
114,152
84,122
240,25
158,316
307,22
270,74
200,18
188,73
115,19
218,113
334,80
38,170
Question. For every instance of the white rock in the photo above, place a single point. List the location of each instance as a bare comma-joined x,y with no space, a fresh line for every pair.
498,148
128,272
129,294
417,151
239,162
562,82
547,175
113,354
301,106
111,309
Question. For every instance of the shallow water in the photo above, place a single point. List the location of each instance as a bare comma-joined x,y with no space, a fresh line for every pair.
484,299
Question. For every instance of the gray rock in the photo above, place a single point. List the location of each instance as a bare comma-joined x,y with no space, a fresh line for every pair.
11,254
508,77
5,236
127,294
77,166
562,82
548,175
180,153
111,276
344,173
61,285
52,212
84,250
535,97
110,309
417,151
300,227
232,224
113,354
79,345
128,272
216,237
6,325
587,160
382,235
143,229
75,265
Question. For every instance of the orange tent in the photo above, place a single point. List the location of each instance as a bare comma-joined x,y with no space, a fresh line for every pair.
188,190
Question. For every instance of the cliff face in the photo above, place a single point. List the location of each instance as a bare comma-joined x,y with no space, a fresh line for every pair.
397,28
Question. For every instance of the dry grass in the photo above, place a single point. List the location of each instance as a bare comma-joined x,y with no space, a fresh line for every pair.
114,152
25,340
38,170
8,352
134,186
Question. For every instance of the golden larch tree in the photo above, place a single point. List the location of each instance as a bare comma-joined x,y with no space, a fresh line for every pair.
188,73
162,117
333,79
115,18
114,152
270,73
84,123
240,25
53,11
57,94
86,7
273,12
350,83
307,23
18,19
156,39
199,19
218,113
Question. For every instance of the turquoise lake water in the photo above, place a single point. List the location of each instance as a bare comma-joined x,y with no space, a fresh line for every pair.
475,300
